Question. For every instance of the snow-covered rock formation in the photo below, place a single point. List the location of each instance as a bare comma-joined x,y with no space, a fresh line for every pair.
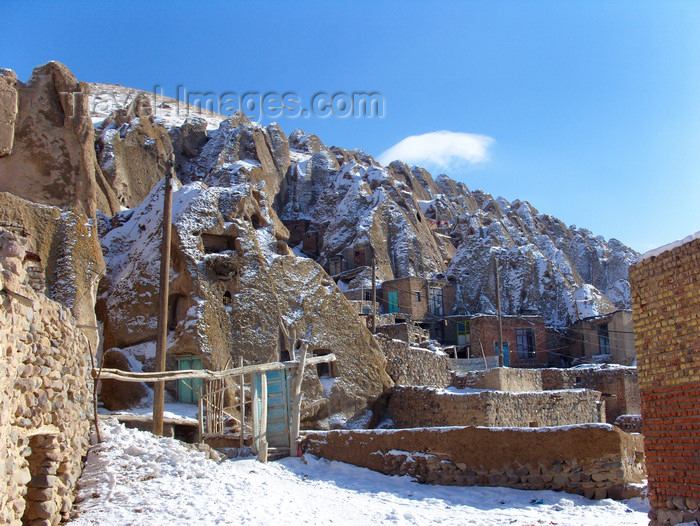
335,201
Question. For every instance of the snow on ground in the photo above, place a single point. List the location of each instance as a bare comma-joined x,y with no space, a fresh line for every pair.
134,478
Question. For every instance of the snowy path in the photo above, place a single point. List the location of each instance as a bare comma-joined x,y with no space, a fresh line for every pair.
133,478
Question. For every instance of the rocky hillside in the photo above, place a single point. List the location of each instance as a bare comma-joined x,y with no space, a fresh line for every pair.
334,199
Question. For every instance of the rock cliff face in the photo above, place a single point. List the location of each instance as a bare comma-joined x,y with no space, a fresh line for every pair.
232,282
47,152
133,151
339,203
63,258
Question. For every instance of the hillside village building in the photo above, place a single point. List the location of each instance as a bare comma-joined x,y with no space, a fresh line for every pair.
608,338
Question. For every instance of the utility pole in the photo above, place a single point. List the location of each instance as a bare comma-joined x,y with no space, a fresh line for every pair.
374,294
500,321
162,335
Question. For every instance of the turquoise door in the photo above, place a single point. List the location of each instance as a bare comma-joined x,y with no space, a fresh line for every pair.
393,301
277,407
188,389
506,353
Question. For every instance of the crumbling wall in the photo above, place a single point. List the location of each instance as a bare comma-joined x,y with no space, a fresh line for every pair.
408,365
665,304
595,460
427,407
44,398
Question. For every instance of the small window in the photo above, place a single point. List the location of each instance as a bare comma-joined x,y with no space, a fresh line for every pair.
327,369
526,343
604,339
368,295
416,296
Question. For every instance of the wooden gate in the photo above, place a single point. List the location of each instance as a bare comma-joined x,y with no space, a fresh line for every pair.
278,421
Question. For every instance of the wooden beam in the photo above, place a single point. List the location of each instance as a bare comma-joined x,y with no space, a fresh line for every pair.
241,396
296,400
125,376
262,450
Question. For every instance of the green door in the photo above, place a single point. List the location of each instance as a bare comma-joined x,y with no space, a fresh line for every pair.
393,301
188,389
463,332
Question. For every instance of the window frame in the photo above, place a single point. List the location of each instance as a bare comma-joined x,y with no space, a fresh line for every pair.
526,343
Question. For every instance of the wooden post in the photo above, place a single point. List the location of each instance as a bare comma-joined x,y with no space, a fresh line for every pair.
262,451
486,365
162,335
500,322
200,414
374,294
241,380
296,401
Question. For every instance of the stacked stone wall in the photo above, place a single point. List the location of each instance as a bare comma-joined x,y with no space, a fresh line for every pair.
666,312
595,460
427,407
408,365
44,398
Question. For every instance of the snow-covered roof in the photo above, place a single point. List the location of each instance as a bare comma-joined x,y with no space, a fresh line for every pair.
669,246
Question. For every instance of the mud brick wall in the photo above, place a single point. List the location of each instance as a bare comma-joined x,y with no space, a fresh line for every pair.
415,366
428,407
501,379
44,399
619,385
595,460
666,312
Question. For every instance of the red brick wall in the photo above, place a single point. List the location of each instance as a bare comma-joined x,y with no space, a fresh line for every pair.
485,328
666,311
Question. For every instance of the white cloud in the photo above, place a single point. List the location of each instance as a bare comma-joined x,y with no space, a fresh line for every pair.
443,149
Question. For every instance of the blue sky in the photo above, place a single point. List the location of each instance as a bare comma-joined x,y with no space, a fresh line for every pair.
589,110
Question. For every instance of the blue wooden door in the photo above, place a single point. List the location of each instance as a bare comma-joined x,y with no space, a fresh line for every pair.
277,407
506,353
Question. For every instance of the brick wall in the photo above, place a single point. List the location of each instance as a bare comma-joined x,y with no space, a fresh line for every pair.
484,329
595,460
429,407
666,312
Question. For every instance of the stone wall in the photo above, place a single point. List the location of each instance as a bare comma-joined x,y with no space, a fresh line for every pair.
428,407
619,386
408,365
665,304
44,398
595,460
408,332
